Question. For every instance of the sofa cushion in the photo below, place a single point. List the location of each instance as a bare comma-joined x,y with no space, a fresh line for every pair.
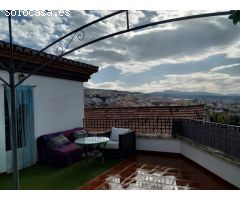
58,142
118,131
67,133
69,148
112,144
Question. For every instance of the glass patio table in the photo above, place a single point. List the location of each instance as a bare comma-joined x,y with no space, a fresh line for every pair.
92,144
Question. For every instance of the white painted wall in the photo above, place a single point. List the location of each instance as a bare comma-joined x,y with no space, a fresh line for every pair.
58,105
224,169
158,145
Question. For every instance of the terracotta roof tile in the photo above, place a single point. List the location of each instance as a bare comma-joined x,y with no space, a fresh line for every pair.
63,68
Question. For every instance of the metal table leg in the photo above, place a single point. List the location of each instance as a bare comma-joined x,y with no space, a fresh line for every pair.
103,148
86,154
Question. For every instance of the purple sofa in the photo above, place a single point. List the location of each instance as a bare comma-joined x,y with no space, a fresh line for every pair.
65,156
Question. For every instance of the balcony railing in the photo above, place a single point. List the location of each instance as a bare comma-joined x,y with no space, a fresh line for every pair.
222,137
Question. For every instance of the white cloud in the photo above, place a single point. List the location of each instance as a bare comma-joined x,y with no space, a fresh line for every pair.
183,42
3,29
234,50
169,14
205,82
35,32
178,42
117,85
214,82
219,68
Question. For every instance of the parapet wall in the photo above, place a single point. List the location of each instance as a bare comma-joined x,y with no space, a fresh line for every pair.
188,112
144,120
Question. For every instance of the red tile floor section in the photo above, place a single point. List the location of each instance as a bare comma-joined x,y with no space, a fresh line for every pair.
157,172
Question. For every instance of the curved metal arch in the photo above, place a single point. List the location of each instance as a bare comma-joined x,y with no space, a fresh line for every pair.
12,70
67,35
118,33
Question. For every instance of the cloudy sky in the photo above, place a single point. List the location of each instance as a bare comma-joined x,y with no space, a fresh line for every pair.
195,55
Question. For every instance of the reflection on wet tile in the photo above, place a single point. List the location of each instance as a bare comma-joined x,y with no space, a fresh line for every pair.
157,173
144,179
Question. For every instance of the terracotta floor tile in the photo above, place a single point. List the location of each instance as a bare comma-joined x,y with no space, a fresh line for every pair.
154,172
88,187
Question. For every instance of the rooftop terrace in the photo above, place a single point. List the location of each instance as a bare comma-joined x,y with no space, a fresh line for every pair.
178,130
171,153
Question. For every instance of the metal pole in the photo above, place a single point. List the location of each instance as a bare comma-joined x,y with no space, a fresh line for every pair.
13,112
127,20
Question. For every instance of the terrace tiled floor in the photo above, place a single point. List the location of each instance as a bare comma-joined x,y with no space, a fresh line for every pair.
157,172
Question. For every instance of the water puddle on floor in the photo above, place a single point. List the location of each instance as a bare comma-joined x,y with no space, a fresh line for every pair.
145,172
146,180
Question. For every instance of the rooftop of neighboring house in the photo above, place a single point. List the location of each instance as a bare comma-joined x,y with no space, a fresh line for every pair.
190,112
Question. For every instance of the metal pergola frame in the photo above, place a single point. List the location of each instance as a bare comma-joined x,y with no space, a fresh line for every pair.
11,69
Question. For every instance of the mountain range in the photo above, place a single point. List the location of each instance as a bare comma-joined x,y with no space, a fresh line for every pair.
194,95
113,98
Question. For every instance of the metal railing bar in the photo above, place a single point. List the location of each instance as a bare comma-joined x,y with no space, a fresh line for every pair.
65,36
4,66
125,31
5,82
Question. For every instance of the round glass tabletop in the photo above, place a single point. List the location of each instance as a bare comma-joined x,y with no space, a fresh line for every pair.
91,140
